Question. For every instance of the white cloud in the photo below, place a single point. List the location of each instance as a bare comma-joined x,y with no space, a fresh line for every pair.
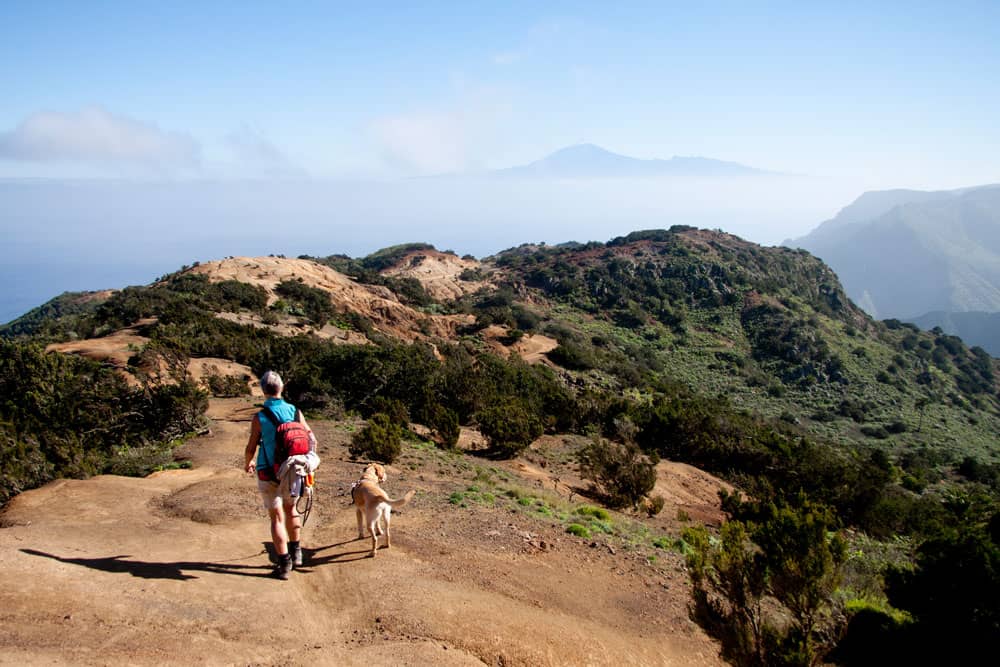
427,143
94,135
249,146
452,138
248,153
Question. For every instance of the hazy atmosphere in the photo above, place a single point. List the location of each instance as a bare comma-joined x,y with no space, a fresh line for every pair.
664,333
136,140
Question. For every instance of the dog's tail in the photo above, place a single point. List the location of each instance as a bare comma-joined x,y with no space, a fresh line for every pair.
402,501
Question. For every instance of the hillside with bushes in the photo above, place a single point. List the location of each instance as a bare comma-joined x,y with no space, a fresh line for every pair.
685,345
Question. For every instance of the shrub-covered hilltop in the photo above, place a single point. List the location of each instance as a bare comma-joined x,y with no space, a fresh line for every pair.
865,451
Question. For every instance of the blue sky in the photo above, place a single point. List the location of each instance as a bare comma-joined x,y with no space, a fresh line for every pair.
137,136
885,94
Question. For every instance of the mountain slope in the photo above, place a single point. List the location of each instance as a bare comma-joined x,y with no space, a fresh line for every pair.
905,253
692,347
590,161
770,328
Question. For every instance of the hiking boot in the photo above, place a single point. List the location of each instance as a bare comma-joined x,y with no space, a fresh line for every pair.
284,568
297,556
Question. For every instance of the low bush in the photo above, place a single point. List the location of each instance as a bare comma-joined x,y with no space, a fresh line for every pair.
228,386
596,512
379,440
621,473
509,428
655,506
444,423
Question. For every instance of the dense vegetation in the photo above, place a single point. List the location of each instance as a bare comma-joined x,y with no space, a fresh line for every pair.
65,416
683,344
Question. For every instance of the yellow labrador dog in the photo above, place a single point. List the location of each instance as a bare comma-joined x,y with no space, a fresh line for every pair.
374,505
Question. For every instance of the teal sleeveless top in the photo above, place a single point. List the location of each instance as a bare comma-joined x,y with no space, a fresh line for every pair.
283,411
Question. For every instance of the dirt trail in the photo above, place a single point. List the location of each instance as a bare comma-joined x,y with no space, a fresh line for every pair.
171,569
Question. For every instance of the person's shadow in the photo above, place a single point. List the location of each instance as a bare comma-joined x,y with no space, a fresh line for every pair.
158,570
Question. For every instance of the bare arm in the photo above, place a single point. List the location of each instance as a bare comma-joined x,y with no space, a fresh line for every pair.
312,437
249,464
302,420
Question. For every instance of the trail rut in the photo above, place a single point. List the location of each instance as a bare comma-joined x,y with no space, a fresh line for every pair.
172,569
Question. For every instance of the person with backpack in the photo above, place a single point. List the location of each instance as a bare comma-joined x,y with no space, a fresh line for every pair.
278,434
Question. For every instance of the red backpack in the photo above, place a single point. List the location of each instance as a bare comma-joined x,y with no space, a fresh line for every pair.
290,439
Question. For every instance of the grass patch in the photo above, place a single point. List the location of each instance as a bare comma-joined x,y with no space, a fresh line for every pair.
662,542
605,527
596,512
578,530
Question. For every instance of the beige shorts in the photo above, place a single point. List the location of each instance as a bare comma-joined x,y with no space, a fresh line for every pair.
269,494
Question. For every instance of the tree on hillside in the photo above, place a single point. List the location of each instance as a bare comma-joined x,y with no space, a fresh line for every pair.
510,428
952,594
622,474
786,554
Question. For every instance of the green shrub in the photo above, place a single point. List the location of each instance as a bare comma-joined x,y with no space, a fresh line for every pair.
314,302
622,474
510,428
785,553
878,432
897,427
596,512
578,530
379,440
228,386
393,408
444,423
66,416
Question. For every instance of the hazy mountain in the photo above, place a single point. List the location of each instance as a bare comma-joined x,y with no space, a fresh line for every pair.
975,328
64,235
590,161
903,253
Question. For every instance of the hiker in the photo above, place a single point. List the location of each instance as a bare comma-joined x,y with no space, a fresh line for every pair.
279,494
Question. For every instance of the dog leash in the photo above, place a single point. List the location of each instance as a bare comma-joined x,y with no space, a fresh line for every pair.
307,493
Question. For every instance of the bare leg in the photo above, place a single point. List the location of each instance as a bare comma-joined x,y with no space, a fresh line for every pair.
293,522
279,535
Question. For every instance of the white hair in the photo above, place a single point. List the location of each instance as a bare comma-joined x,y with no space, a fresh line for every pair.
271,384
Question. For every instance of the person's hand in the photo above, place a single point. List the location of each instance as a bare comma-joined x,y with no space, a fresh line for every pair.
251,467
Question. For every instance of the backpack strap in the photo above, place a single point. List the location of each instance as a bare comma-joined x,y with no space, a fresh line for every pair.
273,418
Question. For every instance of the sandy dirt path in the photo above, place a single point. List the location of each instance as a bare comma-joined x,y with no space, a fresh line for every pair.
172,569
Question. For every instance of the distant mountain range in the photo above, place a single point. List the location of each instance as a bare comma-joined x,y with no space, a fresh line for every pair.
590,161
928,257
975,328
904,253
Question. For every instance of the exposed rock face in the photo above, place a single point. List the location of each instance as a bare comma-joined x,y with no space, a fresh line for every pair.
376,303
438,272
